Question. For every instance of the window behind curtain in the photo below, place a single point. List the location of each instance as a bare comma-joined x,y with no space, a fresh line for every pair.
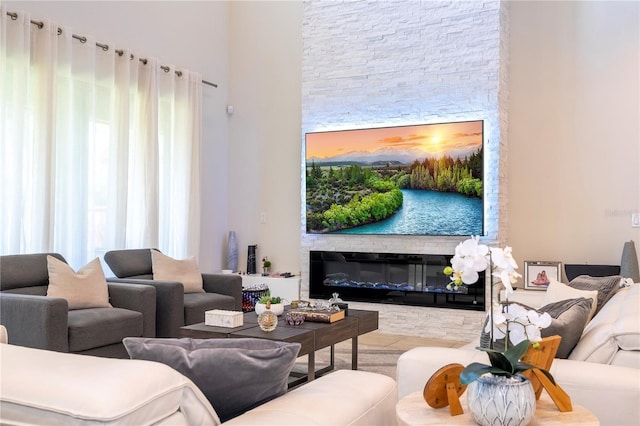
98,151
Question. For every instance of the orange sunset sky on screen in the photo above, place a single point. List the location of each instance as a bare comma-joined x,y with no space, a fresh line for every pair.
432,139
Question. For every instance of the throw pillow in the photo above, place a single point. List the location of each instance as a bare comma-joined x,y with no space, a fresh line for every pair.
568,320
185,271
605,286
557,291
86,288
235,375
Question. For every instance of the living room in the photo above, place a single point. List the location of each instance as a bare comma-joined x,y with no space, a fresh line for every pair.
555,69
561,104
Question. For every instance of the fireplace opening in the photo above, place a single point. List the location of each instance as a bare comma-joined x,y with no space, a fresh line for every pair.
392,278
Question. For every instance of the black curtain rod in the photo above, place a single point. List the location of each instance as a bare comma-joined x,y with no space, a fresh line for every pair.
105,47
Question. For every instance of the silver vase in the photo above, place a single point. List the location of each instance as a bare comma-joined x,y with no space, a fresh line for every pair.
232,252
501,401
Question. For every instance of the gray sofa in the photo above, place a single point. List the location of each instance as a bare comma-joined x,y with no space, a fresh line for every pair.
175,308
36,320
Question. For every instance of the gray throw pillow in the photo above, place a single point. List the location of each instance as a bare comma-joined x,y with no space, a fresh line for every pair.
235,375
605,286
568,318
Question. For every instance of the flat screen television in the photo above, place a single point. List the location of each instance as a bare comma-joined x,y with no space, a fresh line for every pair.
424,179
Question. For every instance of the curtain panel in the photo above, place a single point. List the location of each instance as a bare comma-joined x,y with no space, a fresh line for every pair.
98,150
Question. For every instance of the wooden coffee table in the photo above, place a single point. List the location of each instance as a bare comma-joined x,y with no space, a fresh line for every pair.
312,336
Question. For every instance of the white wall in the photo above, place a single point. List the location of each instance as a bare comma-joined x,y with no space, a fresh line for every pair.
264,176
574,131
190,34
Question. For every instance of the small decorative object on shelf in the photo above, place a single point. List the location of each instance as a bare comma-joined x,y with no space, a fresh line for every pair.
251,259
267,320
266,265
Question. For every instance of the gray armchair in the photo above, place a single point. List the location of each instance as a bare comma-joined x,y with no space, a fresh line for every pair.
36,320
175,308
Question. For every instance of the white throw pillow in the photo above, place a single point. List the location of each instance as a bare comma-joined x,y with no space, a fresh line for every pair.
184,271
557,291
86,288
615,328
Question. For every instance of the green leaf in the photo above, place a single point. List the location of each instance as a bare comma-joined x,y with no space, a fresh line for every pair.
472,371
500,361
515,353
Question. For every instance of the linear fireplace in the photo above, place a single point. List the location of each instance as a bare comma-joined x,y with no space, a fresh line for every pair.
401,279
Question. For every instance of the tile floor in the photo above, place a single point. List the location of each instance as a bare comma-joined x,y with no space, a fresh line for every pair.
394,341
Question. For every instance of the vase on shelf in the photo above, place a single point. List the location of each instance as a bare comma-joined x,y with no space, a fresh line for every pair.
251,259
232,252
501,401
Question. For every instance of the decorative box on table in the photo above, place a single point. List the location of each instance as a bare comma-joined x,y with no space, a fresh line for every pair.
220,318
319,315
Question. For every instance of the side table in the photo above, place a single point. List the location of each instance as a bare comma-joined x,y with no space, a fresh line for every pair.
413,410
287,288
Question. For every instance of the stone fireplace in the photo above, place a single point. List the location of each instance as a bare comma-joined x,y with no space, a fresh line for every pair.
396,63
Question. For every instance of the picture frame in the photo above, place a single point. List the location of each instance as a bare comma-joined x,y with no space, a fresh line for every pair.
538,274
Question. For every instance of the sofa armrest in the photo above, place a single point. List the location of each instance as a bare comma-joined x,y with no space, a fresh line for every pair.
587,382
140,298
169,304
344,397
227,284
35,321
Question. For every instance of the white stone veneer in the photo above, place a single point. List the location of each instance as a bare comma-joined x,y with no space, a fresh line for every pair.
397,62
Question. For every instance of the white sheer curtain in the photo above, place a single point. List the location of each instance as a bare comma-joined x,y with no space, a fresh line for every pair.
98,151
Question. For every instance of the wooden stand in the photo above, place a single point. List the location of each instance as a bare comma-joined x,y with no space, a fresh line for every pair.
444,388
543,358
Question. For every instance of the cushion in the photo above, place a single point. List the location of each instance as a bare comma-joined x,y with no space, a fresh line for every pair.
96,327
568,318
184,271
86,288
605,286
616,327
234,374
557,291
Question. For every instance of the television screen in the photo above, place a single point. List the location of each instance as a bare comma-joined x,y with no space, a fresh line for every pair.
406,180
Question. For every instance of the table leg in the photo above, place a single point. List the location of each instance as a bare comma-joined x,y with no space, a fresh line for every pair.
354,353
332,357
311,366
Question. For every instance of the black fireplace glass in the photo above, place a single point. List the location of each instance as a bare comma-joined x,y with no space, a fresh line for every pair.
392,278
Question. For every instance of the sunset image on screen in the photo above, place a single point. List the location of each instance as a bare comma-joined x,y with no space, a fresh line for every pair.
411,180
393,143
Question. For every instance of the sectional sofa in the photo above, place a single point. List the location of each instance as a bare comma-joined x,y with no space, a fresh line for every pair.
41,387
602,372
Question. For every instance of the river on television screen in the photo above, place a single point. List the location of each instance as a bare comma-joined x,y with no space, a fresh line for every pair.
429,213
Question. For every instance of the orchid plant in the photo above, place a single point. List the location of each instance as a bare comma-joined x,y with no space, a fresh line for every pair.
472,257
516,324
